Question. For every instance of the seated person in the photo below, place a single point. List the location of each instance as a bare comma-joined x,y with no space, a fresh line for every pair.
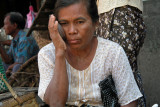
71,70
21,48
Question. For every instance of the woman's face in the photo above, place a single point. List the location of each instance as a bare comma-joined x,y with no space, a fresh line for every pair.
77,24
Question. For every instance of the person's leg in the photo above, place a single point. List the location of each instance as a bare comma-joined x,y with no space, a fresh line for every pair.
16,68
104,27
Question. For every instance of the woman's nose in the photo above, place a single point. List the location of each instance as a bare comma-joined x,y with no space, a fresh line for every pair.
72,29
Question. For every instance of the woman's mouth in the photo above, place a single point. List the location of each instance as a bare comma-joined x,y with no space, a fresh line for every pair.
74,41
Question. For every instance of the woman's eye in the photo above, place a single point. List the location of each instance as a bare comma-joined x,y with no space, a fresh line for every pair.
80,22
63,23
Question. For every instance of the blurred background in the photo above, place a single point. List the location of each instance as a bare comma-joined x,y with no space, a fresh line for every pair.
149,57
21,6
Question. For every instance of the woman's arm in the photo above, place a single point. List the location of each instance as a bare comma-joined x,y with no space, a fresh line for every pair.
57,91
132,104
126,86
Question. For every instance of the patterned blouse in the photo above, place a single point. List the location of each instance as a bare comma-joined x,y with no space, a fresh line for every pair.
22,48
110,58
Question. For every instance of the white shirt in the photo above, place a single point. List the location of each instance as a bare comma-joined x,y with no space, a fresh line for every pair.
107,5
110,58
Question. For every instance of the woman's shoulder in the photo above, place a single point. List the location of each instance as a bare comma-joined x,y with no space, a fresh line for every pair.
105,43
47,50
108,48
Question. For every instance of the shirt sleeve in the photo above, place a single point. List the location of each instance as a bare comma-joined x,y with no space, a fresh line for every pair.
125,83
9,53
46,66
26,49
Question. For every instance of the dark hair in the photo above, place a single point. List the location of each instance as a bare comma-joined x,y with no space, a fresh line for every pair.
90,5
16,17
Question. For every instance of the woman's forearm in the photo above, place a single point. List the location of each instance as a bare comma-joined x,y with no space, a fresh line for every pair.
57,91
132,104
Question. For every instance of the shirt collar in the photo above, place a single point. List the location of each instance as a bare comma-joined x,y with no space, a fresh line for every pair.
17,36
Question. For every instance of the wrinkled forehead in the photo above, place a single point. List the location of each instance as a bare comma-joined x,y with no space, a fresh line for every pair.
68,4
73,13
74,8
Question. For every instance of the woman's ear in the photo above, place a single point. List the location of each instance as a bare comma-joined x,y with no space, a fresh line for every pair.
96,24
15,25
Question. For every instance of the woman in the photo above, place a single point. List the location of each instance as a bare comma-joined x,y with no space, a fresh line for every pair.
71,71
122,22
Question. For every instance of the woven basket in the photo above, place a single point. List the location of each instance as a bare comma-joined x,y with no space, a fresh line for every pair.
27,100
27,75
42,38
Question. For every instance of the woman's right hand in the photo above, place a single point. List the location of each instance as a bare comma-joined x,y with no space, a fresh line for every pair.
57,40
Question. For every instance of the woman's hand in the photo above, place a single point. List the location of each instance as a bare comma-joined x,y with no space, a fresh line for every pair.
58,42
57,91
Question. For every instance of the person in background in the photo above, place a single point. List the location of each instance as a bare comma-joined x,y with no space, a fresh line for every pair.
122,22
71,70
22,48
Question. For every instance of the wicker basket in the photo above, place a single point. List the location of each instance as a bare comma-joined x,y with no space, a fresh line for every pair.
27,75
26,100
42,38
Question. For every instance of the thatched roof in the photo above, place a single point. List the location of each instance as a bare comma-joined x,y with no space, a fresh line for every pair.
41,20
